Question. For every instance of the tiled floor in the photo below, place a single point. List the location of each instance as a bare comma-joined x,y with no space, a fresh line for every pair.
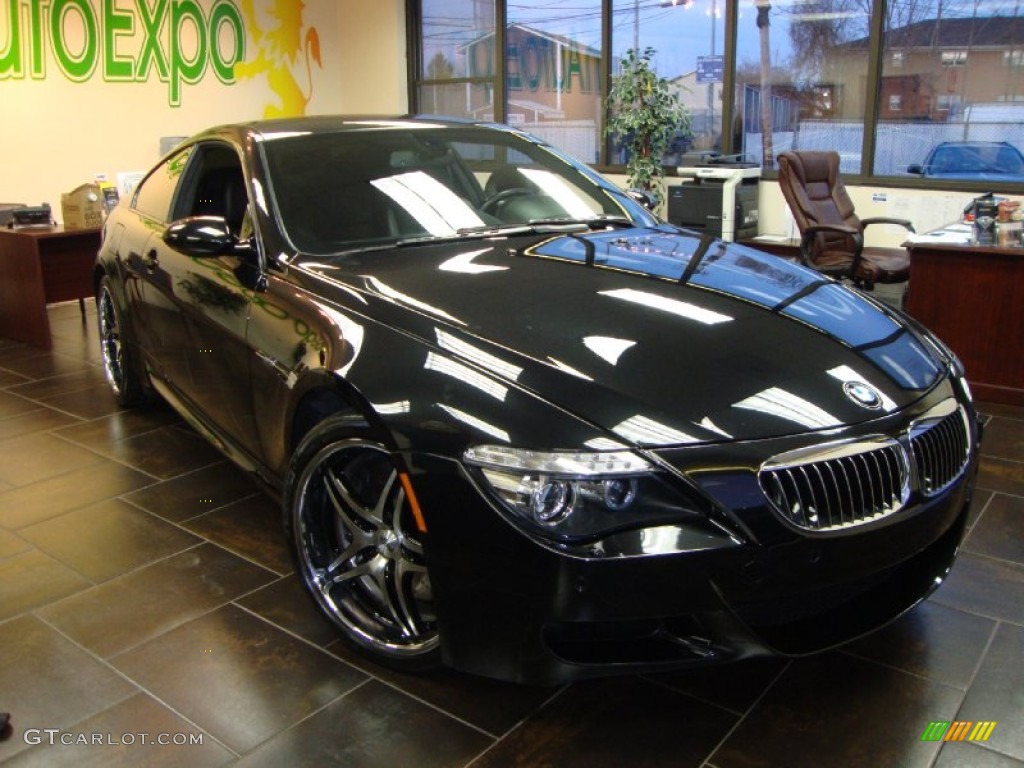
145,589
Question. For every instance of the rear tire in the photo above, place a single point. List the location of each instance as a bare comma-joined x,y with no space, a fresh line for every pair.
357,547
119,361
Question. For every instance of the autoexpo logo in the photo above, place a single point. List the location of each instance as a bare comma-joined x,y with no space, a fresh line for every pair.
178,41
958,730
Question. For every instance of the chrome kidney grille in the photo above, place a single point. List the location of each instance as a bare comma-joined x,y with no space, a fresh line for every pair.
941,451
837,486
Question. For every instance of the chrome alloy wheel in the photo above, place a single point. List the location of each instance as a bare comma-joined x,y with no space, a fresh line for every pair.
110,340
355,538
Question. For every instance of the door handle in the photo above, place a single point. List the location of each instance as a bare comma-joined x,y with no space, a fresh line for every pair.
151,261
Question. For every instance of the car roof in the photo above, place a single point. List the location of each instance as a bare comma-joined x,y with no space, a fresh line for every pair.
974,144
338,123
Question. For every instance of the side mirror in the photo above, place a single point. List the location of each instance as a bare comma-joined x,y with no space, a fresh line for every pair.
200,235
915,168
642,196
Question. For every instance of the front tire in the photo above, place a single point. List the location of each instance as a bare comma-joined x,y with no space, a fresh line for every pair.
357,547
119,363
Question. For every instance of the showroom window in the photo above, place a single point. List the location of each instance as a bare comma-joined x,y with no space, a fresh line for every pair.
456,69
801,69
958,94
554,74
688,37
880,82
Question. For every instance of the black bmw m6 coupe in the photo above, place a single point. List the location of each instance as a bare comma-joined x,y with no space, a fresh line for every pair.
517,424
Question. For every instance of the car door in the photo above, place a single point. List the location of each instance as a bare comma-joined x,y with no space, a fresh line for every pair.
212,296
155,317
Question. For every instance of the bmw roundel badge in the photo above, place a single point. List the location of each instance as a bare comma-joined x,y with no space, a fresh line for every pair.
862,394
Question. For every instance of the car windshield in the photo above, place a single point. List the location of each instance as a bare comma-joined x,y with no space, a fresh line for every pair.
976,158
352,189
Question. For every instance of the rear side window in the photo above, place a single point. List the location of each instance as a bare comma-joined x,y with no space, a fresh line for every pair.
153,196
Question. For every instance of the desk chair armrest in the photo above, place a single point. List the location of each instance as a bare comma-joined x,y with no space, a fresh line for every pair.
842,229
811,231
886,220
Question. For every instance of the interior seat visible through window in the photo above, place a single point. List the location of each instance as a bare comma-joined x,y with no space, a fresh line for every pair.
221,192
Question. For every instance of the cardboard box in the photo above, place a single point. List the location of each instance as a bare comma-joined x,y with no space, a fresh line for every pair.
82,207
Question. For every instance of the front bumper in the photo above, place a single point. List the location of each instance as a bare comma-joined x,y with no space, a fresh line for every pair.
512,608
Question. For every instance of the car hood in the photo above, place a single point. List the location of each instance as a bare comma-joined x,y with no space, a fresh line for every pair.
661,336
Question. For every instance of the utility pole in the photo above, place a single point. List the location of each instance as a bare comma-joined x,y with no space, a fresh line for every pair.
767,152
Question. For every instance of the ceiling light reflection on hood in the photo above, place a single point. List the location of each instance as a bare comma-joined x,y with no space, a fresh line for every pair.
569,369
477,423
665,304
709,425
474,354
608,348
646,431
402,298
776,401
464,263
466,375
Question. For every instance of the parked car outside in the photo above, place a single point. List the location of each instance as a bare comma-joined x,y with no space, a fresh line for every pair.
972,161
517,424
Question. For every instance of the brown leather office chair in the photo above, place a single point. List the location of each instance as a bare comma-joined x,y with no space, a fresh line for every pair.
832,237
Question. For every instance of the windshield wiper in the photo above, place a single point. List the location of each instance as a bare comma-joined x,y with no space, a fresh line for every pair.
604,221
487,230
466,233
533,227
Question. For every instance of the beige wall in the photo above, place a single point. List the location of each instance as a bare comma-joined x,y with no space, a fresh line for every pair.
56,134
373,57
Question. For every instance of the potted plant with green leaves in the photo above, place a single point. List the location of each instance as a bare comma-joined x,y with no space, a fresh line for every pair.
644,115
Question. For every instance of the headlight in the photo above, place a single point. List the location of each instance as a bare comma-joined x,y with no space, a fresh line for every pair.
576,495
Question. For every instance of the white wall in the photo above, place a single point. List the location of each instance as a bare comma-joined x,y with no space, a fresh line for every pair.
56,133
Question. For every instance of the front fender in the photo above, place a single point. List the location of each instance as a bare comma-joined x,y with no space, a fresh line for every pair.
311,355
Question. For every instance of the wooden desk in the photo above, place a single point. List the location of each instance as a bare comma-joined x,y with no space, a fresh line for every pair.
40,267
973,299
788,249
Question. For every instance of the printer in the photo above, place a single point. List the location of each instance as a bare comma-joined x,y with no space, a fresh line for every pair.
719,196
7,213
